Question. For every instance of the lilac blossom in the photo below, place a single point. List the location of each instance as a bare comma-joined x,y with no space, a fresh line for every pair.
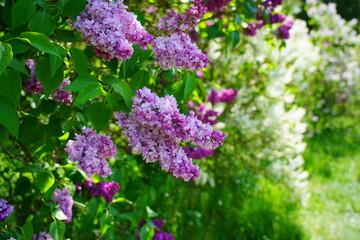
179,22
284,30
198,153
91,150
42,236
107,190
206,115
5,209
32,84
155,128
224,95
215,5
178,51
111,29
65,202
272,3
63,96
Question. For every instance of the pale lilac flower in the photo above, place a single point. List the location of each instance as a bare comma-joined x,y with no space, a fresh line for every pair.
179,22
177,51
32,84
155,128
91,150
63,96
111,29
5,209
65,202
42,236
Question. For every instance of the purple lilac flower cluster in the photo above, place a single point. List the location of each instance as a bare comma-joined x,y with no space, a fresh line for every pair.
42,236
197,152
159,234
111,29
224,95
63,96
214,5
179,22
206,115
32,84
91,150
5,209
178,51
265,15
155,128
65,202
107,190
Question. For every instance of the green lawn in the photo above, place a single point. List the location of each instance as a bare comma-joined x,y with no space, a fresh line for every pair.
333,210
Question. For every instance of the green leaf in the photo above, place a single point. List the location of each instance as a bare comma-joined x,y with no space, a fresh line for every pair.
72,7
9,119
22,12
235,38
35,168
18,46
40,41
57,230
238,19
68,36
10,83
43,74
6,55
109,79
147,233
42,22
139,80
80,60
213,31
190,84
125,91
117,103
100,115
27,231
19,65
89,92
81,82
56,61
202,87
44,181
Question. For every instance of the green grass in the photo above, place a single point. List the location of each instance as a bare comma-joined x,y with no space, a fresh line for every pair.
333,210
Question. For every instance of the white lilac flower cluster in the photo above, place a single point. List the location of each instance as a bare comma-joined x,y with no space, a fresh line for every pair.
111,29
155,128
65,202
91,150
